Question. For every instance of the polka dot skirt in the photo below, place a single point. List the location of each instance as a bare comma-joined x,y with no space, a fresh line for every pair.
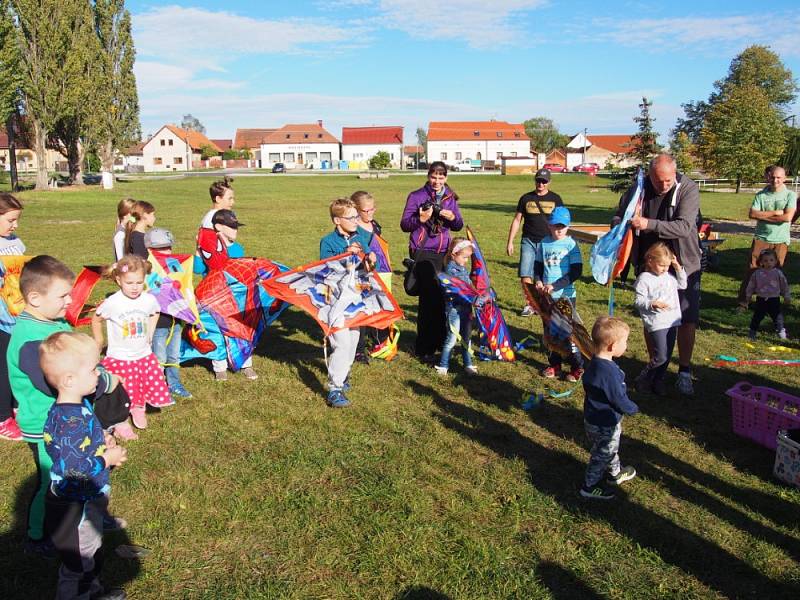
143,380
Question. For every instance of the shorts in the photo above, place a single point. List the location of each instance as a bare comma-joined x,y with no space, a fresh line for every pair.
690,300
527,256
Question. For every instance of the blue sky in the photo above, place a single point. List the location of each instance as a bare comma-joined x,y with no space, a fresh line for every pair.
408,62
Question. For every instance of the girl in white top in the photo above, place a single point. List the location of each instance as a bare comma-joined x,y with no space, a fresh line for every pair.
659,305
123,211
130,316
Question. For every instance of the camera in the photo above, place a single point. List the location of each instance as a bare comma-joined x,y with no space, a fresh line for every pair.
436,209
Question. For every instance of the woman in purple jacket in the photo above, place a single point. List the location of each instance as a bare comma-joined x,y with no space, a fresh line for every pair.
430,214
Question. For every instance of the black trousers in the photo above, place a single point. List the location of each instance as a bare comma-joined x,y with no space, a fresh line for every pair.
7,401
764,307
431,323
662,343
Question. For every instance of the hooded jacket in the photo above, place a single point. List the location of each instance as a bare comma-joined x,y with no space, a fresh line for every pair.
439,240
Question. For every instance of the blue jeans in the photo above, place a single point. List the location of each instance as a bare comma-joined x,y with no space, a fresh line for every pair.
459,325
168,351
527,256
604,458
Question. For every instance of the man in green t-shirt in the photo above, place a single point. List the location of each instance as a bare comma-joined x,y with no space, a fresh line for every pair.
773,209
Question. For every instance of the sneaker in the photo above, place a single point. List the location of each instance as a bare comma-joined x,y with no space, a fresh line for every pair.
179,391
625,474
112,523
440,370
782,334
471,370
42,548
139,418
112,594
741,308
9,430
250,373
337,399
684,384
527,311
752,335
220,376
428,359
362,357
550,373
574,375
597,492
124,431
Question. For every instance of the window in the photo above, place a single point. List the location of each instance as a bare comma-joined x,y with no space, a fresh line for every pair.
288,157
517,134
478,156
458,155
513,154
274,157
443,156
319,136
178,160
170,142
157,159
499,134
476,133
305,136
288,135
311,156
499,155
163,142
325,156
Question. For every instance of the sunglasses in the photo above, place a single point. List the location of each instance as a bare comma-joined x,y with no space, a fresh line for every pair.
542,181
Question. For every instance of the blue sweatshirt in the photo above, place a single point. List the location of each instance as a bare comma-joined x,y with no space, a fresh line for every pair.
336,243
606,397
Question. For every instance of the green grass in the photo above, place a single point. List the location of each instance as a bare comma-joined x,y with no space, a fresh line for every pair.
425,487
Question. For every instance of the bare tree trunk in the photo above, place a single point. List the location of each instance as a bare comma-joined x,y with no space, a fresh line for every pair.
39,147
11,124
75,156
107,164
738,184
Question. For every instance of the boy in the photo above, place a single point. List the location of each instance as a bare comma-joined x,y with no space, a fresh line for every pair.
605,402
557,266
167,334
345,237
46,285
222,198
82,456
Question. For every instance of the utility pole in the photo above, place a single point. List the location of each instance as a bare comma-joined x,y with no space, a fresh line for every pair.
584,143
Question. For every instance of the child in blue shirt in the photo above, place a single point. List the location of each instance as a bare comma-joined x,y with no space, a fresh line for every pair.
458,313
82,455
557,266
605,402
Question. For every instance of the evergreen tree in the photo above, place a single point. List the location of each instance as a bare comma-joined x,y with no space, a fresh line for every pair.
645,146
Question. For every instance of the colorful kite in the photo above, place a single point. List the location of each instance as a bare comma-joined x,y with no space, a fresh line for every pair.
337,293
11,301
561,324
170,281
78,312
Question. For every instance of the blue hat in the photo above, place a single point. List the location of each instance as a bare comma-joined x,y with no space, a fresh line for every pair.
560,216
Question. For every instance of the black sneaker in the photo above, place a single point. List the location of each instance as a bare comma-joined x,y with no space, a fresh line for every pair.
597,492
112,594
112,523
362,357
43,548
625,474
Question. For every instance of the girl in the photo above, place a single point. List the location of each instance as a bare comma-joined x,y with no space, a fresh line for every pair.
659,306
457,312
140,219
123,210
10,245
768,283
131,315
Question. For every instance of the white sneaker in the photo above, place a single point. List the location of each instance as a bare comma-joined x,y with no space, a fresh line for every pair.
472,370
684,384
527,311
440,370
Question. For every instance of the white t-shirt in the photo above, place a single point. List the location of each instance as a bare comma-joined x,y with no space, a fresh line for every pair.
126,324
119,242
11,246
206,222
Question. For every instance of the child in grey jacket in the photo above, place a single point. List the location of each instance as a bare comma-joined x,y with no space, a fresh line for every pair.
658,304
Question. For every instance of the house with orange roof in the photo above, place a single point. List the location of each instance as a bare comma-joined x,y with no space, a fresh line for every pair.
174,149
612,149
454,141
304,145
25,156
360,144
251,139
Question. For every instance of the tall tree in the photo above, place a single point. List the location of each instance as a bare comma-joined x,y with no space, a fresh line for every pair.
645,146
743,133
10,82
422,140
544,134
193,124
117,117
790,160
682,149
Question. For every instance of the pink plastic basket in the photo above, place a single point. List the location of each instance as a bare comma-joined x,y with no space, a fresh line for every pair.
759,412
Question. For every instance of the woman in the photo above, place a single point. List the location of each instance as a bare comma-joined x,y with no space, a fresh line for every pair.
431,213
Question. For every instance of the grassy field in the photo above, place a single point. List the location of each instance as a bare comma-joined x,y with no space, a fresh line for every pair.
425,487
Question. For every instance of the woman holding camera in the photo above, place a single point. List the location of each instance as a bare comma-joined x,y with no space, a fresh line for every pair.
431,213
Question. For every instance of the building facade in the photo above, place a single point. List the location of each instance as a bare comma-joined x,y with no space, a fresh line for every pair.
173,149
298,146
454,141
360,144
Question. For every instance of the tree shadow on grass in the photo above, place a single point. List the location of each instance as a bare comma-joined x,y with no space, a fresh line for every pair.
563,583
26,576
420,592
558,475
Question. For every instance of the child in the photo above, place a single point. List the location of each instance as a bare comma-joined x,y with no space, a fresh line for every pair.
167,334
660,308
123,211
605,402
768,283
10,245
222,198
458,313
226,225
141,218
130,315
345,237
557,266
82,456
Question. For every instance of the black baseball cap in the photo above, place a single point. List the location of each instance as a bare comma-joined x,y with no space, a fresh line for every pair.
227,218
543,174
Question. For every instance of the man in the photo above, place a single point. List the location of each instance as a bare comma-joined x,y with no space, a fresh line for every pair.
669,214
773,209
534,207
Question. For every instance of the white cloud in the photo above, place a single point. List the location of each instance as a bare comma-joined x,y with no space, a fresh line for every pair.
152,77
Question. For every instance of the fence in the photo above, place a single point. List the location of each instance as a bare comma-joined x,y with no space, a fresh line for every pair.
726,185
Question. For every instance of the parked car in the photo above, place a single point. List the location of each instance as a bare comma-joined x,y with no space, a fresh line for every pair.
555,168
279,168
587,167
466,165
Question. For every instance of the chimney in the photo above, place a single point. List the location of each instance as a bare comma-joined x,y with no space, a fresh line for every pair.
319,122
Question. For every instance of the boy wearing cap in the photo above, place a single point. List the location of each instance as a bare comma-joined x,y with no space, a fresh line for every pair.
557,266
533,209
167,334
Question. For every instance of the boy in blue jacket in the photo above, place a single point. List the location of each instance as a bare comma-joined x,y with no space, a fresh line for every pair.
605,402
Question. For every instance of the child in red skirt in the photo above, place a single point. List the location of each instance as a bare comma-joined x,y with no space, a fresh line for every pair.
130,316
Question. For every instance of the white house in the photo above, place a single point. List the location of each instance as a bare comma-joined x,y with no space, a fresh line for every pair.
453,141
173,149
360,144
300,145
601,149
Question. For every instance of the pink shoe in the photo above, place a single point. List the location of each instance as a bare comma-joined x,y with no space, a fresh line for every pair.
124,431
139,418
9,430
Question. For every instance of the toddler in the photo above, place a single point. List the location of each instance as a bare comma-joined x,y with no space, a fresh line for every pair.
457,312
768,283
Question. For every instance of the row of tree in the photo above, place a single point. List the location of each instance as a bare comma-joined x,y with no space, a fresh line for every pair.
66,79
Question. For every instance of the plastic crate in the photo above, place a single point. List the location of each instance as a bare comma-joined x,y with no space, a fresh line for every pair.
787,459
758,412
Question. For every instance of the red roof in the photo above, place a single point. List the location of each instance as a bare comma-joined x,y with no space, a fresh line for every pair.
135,150
195,139
618,144
223,144
372,135
475,130
250,138
413,150
307,133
